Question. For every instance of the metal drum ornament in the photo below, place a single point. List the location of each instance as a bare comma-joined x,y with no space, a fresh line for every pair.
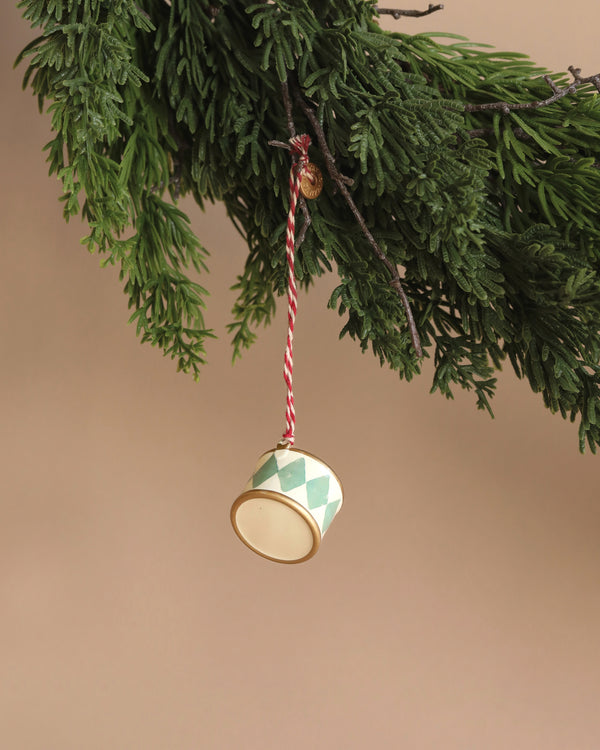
292,496
287,506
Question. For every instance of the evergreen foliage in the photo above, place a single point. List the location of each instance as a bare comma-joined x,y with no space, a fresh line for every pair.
491,214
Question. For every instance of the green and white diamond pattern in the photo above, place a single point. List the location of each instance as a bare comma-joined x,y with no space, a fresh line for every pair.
303,479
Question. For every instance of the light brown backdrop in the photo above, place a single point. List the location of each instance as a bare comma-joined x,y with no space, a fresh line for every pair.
454,603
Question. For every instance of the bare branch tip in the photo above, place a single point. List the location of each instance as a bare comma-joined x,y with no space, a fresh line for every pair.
557,93
397,13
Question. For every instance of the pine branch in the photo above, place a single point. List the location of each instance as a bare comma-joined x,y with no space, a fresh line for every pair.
499,241
396,13
558,93
341,181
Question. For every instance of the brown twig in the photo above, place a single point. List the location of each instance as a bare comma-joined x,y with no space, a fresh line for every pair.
480,132
557,93
142,12
342,182
395,13
174,179
281,144
287,102
575,72
305,224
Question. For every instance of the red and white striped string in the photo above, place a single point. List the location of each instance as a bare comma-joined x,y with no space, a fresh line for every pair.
299,149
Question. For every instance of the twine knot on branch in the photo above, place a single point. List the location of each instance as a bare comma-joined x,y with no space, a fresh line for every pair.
299,149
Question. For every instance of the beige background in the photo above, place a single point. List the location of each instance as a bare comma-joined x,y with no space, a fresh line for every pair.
455,601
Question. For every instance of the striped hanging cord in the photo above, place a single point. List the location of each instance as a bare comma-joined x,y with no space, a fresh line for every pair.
299,149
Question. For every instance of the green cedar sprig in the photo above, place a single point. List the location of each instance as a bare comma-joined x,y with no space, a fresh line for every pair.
112,150
491,215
